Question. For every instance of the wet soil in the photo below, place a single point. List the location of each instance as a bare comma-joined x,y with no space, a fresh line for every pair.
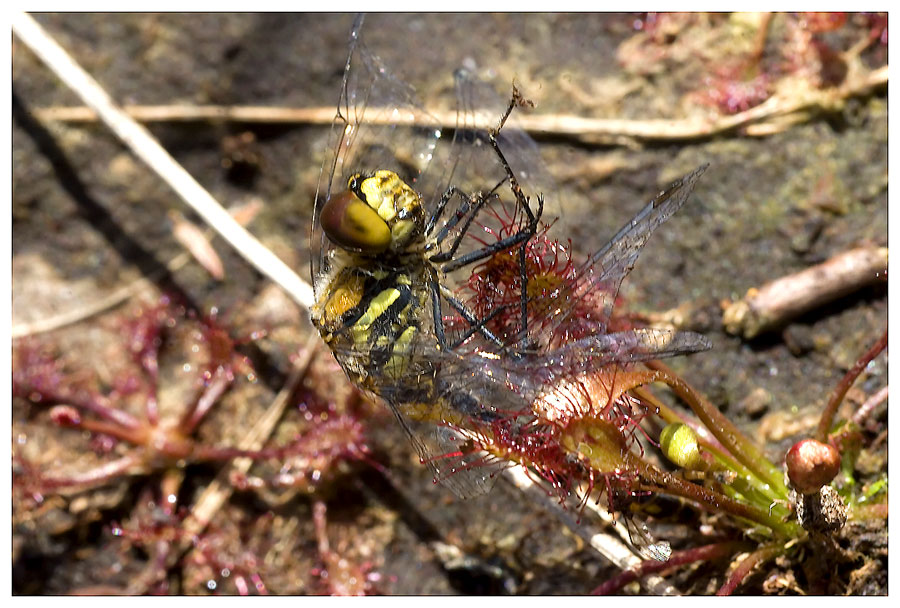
87,218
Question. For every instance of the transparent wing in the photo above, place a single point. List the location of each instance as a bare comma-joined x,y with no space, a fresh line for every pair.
475,168
594,282
473,397
602,274
449,427
601,350
454,457
379,124
581,302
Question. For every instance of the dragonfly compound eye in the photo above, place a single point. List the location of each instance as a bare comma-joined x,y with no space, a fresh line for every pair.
352,224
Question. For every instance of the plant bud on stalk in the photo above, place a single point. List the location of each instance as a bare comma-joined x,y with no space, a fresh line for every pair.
811,464
679,444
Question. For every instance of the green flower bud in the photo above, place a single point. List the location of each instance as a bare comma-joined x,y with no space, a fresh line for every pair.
679,444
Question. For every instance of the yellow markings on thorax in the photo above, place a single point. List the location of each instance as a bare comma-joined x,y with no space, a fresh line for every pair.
377,307
345,297
387,194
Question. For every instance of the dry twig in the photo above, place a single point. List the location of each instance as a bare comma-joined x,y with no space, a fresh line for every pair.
191,237
783,299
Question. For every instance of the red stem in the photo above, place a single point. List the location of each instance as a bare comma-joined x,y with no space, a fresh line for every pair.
101,406
679,558
96,476
866,409
844,385
135,436
751,561
714,501
214,390
213,454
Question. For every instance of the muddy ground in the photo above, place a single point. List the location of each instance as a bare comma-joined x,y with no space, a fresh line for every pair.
88,218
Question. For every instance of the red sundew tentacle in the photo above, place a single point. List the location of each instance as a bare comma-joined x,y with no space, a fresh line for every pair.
144,334
38,376
241,585
101,406
536,447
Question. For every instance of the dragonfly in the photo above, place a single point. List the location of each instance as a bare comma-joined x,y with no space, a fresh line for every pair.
404,208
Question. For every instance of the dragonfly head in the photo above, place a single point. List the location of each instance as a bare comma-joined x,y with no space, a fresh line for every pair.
376,213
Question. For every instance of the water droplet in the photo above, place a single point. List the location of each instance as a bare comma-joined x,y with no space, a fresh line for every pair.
211,585
226,572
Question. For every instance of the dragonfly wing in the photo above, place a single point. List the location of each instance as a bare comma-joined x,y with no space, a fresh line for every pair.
379,124
601,350
604,271
472,399
446,404
450,453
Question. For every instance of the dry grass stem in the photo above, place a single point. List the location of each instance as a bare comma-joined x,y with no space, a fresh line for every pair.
602,542
243,214
774,115
145,146
191,237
